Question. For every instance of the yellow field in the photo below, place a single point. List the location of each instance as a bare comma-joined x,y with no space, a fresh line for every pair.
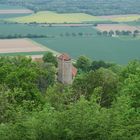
52,17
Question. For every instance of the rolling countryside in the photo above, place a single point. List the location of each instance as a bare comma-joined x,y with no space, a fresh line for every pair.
69,69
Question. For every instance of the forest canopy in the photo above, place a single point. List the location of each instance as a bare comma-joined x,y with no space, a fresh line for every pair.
102,103
94,7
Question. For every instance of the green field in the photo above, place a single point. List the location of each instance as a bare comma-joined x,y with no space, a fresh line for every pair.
99,48
134,23
52,17
11,29
23,29
22,54
5,16
127,18
67,39
3,7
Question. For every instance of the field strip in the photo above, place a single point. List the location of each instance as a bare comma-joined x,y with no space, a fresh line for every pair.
45,47
121,18
114,27
19,46
22,53
16,11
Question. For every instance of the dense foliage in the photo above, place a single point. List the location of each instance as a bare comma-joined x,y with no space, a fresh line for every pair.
94,7
102,103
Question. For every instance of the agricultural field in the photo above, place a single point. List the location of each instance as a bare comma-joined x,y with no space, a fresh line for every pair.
19,45
75,41
119,27
134,23
11,29
10,7
23,29
16,11
78,41
122,18
5,16
118,50
7,11
52,17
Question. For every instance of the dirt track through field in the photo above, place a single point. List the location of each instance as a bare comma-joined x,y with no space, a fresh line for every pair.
16,11
19,45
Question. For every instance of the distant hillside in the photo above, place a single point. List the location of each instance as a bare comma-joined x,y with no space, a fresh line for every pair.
94,7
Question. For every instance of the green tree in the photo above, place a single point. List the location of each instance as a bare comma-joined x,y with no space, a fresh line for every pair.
105,33
83,63
99,33
107,80
111,33
124,120
131,82
50,58
118,32
100,64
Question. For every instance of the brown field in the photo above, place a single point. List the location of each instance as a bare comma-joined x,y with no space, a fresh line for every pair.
19,45
114,27
16,11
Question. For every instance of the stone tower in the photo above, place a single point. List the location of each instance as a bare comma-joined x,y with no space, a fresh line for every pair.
65,67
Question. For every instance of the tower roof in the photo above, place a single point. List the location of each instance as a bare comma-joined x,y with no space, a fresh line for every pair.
64,57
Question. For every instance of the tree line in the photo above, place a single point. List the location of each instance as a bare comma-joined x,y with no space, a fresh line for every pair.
21,36
119,33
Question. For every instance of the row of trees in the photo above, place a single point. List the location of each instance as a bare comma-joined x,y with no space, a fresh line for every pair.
118,33
102,103
21,36
67,34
